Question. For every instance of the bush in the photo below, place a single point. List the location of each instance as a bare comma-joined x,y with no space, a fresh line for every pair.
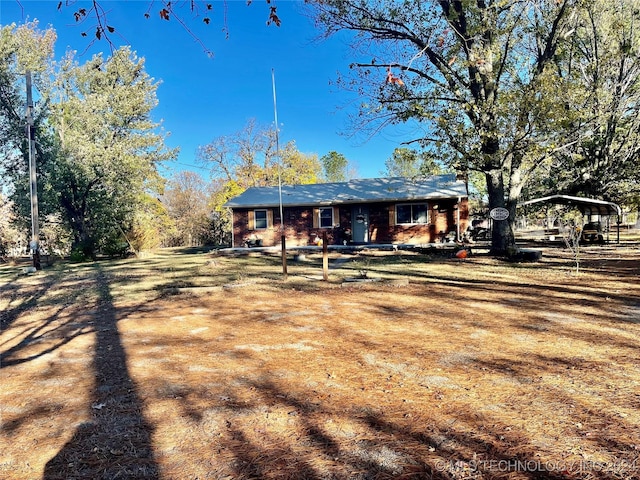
77,255
116,247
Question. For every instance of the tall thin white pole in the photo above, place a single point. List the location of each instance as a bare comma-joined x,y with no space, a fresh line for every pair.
282,232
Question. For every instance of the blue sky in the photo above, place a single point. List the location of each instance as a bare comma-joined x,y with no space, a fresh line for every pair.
202,98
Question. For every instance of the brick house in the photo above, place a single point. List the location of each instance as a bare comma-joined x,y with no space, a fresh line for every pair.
363,211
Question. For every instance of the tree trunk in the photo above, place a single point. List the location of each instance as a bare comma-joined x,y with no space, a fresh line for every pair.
74,203
502,237
82,240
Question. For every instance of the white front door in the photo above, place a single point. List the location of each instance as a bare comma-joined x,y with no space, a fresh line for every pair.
360,224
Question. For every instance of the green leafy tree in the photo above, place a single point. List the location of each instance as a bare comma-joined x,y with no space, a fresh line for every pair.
96,146
295,167
151,226
334,167
109,146
9,235
23,48
603,137
479,75
406,162
11,120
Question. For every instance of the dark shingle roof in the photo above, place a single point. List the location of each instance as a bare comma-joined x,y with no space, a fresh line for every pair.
366,190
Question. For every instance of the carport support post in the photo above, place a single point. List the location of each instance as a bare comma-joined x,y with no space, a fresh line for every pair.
458,238
325,257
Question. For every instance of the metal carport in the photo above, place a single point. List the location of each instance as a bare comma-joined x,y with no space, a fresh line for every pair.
587,206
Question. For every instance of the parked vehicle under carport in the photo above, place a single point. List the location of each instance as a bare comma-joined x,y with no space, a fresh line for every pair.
592,233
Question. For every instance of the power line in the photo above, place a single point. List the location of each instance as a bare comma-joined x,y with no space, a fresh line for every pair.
185,165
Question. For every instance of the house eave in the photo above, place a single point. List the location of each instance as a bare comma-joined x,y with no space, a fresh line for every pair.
347,202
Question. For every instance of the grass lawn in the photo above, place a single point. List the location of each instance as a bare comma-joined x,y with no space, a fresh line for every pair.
188,365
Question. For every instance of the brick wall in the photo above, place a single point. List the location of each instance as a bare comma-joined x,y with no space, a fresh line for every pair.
299,223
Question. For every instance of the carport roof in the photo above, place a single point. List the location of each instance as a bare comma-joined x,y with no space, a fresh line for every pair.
588,206
366,190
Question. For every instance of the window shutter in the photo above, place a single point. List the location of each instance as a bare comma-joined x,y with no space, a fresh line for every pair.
392,215
269,218
251,220
336,216
316,217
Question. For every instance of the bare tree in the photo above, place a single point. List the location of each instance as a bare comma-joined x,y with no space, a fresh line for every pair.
97,26
187,201
244,157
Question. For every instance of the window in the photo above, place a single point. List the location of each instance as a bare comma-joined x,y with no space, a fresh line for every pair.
326,217
260,219
412,213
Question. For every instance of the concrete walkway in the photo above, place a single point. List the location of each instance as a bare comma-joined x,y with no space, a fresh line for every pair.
341,248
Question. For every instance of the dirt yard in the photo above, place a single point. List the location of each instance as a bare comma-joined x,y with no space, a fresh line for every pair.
187,365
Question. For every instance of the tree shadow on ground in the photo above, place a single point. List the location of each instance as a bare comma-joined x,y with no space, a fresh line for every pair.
34,337
20,299
388,450
116,443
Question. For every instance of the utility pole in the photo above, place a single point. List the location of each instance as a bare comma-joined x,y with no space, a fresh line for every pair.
31,139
